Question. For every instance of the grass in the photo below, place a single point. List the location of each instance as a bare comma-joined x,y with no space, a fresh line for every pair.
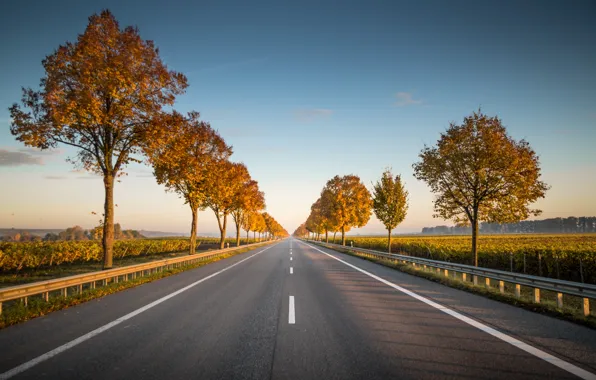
17,311
571,310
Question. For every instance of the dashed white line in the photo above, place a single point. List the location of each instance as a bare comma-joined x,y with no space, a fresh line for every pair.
577,371
292,314
33,362
290,259
291,270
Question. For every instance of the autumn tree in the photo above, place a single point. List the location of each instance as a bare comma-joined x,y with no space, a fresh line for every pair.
350,202
261,226
101,95
479,173
183,160
390,202
221,188
247,199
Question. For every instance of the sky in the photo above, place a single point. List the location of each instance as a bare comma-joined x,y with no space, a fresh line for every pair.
306,90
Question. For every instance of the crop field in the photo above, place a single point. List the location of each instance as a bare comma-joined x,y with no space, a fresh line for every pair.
15,257
567,256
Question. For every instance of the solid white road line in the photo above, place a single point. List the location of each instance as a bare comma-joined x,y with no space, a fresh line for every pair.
33,362
291,270
489,330
292,314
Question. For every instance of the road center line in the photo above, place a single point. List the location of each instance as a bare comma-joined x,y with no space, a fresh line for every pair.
577,371
33,362
291,270
292,314
290,259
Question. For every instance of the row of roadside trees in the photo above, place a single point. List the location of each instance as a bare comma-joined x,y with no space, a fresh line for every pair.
477,172
345,202
110,96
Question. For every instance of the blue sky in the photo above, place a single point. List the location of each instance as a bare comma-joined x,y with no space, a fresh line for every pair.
307,90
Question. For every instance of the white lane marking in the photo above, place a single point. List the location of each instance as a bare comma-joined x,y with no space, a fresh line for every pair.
291,270
290,259
290,253
579,372
292,314
33,362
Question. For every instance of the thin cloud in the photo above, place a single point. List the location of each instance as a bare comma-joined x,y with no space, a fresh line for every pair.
405,99
311,114
10,158
39,152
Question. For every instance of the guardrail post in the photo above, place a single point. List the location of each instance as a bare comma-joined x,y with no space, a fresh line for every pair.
475,279
487,282
446,273
46,296
537,295
25,301
560,300
93,285
80,288
586,307
502,287
517,290
0,308
464,277
64,292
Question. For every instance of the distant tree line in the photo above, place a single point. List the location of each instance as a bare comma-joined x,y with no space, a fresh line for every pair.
76,233
572,224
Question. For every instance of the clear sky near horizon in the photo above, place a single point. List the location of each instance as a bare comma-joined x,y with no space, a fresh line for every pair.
305,90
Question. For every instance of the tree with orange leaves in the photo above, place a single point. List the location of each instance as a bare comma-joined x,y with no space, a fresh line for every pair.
247,199
182,162
221,187
349,203
100,94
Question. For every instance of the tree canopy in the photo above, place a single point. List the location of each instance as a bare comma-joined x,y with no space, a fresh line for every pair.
390,202
479,173
183,160
101,94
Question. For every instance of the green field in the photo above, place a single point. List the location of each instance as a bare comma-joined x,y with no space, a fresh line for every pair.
566,256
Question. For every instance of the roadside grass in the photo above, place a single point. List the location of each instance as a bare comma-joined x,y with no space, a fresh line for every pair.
571,311
18,311
25,276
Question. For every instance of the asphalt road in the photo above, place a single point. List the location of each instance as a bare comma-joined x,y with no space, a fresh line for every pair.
293,311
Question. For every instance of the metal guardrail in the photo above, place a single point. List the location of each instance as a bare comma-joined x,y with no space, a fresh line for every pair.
115,275
585,291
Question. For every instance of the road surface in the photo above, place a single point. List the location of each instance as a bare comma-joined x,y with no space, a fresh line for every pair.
295,311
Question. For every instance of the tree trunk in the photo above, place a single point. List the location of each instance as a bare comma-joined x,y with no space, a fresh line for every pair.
193,230
108,223
475,237
389,241
222,241
247,236
334,233
326,236
343,235
237,234
254,235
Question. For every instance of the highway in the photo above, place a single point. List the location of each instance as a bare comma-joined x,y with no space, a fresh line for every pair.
296,311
